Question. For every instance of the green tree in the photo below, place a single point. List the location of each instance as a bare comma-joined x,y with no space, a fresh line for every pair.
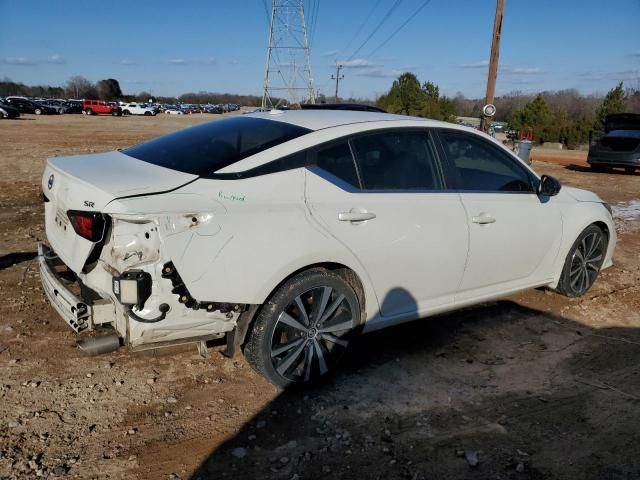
546,123
431,90
614,102
405,96
109,89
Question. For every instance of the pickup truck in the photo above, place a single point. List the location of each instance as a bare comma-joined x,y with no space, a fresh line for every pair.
137,109
97,107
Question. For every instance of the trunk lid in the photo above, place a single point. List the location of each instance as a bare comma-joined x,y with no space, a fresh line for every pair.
89,183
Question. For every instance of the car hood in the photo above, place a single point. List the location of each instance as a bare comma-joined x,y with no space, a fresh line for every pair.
581,195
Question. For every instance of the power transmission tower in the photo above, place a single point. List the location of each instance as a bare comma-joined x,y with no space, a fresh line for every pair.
337,77
287,76
493,62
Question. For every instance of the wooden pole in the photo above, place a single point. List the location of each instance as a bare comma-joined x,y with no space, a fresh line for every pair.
493,61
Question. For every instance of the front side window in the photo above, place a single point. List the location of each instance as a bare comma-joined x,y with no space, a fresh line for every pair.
337,160
204,149
397,161
483,167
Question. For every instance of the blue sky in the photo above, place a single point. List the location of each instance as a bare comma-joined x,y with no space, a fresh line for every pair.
171,47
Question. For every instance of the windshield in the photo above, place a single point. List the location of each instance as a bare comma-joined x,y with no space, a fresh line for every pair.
203,149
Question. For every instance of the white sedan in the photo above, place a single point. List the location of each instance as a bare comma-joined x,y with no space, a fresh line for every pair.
137,109
289,232
173,111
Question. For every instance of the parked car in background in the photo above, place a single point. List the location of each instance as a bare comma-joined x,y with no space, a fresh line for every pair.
74,106
58,105
619,146
24,105
173,111
7,111
292,231
213,109
100,107
137,109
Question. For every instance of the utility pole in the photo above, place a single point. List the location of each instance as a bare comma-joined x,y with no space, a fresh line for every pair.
287,75
337,77
493,63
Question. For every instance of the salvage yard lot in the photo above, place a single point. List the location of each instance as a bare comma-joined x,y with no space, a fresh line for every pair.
534,386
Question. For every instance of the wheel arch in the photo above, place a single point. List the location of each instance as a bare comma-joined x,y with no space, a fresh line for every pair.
245,323
609,231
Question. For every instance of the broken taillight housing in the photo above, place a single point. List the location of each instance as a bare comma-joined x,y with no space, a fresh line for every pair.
89,225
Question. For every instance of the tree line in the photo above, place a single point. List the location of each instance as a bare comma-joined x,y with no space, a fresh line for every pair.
564,116
109,89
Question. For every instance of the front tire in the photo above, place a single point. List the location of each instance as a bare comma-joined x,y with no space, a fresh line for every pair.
303,330
583,263
38,111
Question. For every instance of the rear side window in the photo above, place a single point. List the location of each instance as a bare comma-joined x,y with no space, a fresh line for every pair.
397,161
203,149
483,167
338,161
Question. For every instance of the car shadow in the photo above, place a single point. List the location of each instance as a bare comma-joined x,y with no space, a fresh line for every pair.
502,382
584,169
13,258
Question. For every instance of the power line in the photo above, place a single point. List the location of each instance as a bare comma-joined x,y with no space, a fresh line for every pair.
315,7
404,24
377,27
362,25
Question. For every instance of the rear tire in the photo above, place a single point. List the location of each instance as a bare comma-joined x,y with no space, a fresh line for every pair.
303,330
126,112
38,111
147,114
583,263
88,111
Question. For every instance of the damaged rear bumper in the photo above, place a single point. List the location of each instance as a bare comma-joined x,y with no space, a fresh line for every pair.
75,312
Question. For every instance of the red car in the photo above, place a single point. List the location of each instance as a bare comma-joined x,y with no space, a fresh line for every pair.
98,107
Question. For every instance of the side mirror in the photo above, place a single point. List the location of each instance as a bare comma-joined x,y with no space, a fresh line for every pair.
549,186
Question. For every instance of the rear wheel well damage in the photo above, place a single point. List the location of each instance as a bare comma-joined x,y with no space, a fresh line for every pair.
236,339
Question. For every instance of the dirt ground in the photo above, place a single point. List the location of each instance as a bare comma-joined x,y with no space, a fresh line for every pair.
536,386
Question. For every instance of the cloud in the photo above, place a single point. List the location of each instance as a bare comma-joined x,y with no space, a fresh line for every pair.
192,61
480,64
57,59
504,68
18,61
329,53
30,62
357,63
128,63
519,70
381,73
510,69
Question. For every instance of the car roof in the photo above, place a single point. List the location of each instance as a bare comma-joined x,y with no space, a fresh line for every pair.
321,119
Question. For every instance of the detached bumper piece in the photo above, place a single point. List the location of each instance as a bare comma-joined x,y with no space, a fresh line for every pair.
72,309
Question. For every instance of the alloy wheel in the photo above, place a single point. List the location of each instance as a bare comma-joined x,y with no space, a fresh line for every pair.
310,334
586,262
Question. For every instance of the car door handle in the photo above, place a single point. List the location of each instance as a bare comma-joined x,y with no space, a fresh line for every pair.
356,216
483,219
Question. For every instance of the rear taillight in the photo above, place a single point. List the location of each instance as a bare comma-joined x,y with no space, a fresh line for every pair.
89,225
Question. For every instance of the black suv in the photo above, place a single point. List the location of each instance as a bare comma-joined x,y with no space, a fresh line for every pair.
619,146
